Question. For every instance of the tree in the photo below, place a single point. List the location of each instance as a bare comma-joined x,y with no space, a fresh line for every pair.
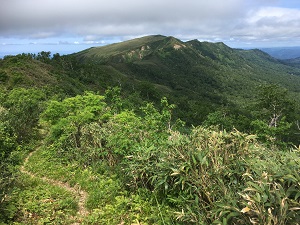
44,56
24,107
274,113
67,118
113,98
220,118
275,103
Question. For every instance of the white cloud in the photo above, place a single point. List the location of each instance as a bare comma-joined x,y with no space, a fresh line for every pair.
274,14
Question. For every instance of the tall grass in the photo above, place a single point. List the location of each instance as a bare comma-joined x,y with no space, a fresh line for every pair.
219,177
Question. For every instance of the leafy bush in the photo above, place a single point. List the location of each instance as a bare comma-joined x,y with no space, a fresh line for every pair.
24,108
8,160
3,76
72,117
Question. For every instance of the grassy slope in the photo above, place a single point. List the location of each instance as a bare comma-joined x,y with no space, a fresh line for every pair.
118,48
107,203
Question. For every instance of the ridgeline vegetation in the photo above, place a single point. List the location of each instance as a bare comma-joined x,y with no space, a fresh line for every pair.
150,131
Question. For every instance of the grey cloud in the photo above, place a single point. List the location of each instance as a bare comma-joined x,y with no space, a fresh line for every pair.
95,20
26,16
269,25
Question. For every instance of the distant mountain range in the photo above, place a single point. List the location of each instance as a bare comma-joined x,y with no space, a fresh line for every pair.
283,52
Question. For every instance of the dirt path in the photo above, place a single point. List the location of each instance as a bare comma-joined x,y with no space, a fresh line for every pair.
76,191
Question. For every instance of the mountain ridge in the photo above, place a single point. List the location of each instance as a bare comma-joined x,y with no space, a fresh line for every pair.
196,76
199,76
163,51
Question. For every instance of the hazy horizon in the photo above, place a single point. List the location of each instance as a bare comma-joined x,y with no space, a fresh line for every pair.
65,49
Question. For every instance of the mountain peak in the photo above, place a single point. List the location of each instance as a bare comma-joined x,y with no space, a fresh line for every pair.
131,50
129,47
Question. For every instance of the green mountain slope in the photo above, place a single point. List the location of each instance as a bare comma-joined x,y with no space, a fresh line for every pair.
293,62
200,67
21,70
25,71
200,76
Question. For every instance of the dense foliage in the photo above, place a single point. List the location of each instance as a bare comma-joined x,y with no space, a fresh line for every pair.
204,176
220,148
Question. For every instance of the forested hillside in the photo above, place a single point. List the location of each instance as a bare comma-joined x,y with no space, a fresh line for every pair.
293,62
150,131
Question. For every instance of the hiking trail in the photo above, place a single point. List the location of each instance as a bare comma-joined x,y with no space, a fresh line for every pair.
76,191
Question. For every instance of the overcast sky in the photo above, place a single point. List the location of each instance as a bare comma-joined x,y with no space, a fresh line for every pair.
28,25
